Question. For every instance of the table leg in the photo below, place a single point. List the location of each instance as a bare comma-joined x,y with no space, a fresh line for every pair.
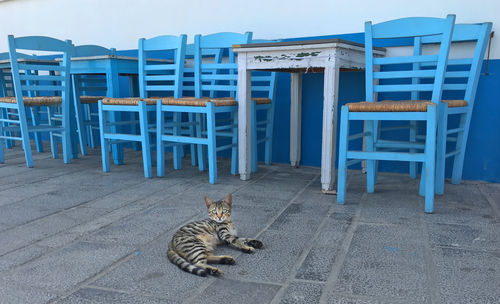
295,118
244,118
329,141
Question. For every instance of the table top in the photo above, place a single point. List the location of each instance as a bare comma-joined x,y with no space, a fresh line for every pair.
303,43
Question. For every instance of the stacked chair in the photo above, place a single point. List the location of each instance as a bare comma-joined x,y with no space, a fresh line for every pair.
215,88
459,91
381,80
38,83
154,77
87,91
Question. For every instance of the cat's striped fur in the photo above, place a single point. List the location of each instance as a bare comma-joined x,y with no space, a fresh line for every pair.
192,246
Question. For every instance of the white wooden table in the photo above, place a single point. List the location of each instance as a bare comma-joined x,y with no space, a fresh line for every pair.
297,57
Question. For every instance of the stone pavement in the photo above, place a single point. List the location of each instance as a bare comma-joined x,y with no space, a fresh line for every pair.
72,234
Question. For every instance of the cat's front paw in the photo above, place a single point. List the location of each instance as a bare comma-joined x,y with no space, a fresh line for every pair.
228,260
247,249
255,244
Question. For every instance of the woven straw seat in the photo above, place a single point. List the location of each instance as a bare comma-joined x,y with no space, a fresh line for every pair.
90,99
198,102
131,101
35,101
399,105
455,103
261,100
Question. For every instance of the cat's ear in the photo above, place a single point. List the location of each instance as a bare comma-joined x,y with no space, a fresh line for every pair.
208,201
229,199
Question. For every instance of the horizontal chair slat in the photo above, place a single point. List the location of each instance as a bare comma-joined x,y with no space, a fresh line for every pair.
399,144
160,87
209,87
405,59
404,74
185,139
396,156
403,87
160,78
454,86
41,77
42,88
219,66
205,77
160,67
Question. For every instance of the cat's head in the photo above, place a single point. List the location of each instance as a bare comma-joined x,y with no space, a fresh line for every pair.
219,211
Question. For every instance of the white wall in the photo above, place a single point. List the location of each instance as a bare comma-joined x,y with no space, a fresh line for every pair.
119,23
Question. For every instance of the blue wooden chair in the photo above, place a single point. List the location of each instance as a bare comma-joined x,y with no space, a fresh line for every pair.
461,82
87,91
7,89
40,81
215,94
397,81
154,77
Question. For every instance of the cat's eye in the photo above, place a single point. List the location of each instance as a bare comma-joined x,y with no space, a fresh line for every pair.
225,211
214,211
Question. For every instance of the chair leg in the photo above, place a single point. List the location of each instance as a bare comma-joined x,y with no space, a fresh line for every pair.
234,149
253,124
177,148
160,144
53,138
192,133
199,128
146,146
343,147
430,158
25,137
35,121
458,161
117,149
104,144
2,140
212,153
413,139
370,164
80,126
441,148
66,133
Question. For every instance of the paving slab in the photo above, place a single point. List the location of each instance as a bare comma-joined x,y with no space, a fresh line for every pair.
467,276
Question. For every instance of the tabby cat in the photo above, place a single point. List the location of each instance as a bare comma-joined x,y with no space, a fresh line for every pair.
192,246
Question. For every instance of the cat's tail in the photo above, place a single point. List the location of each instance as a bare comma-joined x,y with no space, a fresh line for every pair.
183,264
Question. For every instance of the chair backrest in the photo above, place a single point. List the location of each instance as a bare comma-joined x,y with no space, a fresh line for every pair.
86,50
44,77
6,85
402,79
91,85
161,76
216,75
462,75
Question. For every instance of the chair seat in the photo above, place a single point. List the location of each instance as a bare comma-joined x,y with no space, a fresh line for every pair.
261,100
90,99
130,101
455,103
199,102
399,105
390,106
35,101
